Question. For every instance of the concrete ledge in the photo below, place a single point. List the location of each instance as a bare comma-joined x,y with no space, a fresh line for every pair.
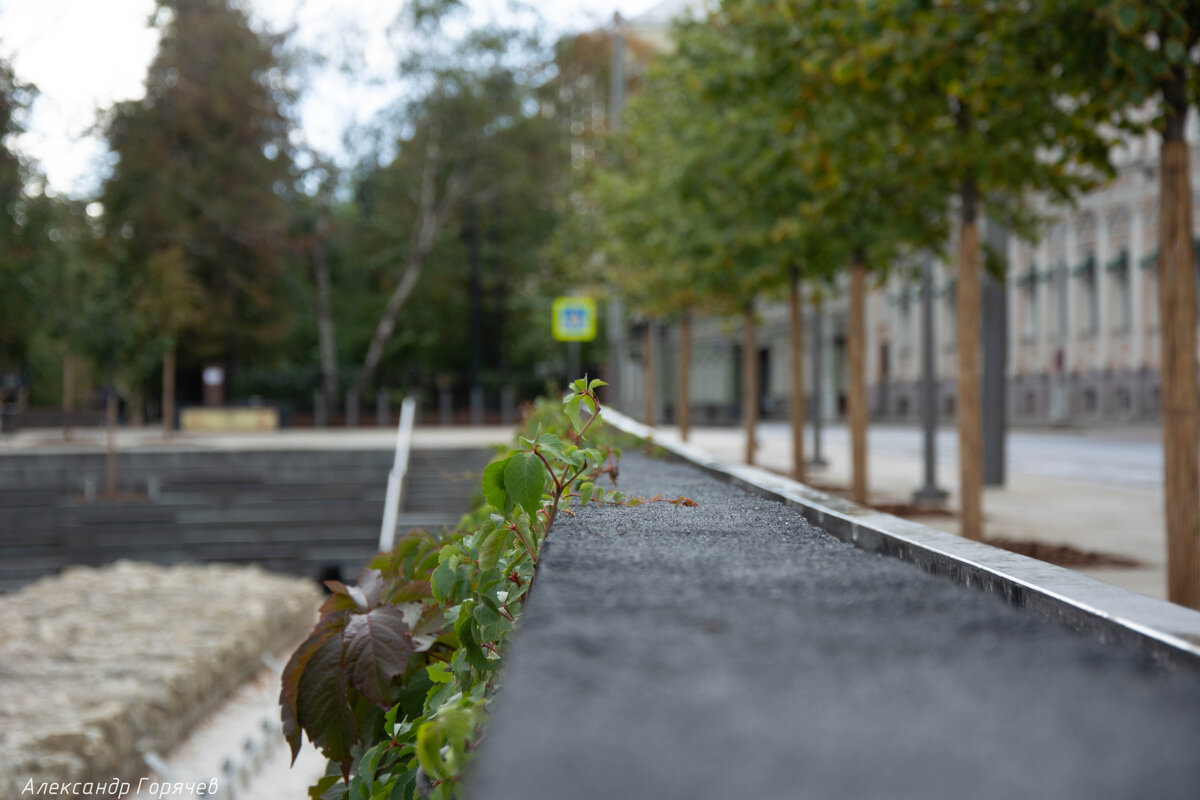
1170,633
100,664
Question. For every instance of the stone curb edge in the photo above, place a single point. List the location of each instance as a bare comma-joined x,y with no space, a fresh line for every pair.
1169,633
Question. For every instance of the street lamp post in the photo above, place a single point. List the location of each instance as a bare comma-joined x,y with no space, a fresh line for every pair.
930,493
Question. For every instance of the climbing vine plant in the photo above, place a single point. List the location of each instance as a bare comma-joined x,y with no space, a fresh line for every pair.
393,682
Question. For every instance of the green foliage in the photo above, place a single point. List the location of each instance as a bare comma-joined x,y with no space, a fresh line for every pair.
195,211
444,234
393,683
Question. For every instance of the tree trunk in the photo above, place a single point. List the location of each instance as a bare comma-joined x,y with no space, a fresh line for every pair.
796,365
431,213
856,394
1177,315
136,408
168,392
326,341
750,380
968,405
683,402
649,372
68,393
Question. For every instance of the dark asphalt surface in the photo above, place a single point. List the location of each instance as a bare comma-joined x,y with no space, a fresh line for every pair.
732,651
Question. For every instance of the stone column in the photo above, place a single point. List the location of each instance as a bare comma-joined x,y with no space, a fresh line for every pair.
1137,289
1103,317
1070,349
1015,304
1043,350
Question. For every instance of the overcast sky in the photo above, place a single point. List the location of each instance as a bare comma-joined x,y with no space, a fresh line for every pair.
83,55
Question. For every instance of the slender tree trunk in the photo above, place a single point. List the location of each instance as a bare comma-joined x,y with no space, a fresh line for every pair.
1177,315
856,394
137,407
683,401
969,410
431,214
168,392
326,335
110,454
649,374
796,365
68,395
750,379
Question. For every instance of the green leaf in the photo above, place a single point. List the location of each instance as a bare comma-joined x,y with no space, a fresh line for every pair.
1174,50
571,408
596,383
549,443
493,484
403,784
369,763
338,791
442,582
318,789
586,490
491,624
525,481
1127,18
439,673
377,647
389,720
429,744
493,545
457,724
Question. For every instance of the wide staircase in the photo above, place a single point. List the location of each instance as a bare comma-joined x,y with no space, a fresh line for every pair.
314,513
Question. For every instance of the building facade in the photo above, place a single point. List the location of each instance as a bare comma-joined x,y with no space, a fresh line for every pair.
1082,311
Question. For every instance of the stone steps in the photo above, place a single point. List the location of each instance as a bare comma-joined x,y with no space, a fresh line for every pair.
311,513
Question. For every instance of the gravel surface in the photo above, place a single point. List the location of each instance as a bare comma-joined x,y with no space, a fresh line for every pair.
732,650
99,665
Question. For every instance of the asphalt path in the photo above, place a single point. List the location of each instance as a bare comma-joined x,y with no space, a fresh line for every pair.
1129,458
732,651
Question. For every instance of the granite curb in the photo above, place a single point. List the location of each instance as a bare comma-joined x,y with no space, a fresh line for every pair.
1169,633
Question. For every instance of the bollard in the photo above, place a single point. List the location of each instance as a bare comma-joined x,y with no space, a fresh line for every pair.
382,412
476,405
320,413
352,409
506,406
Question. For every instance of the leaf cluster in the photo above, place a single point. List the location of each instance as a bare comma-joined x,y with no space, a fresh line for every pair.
392,684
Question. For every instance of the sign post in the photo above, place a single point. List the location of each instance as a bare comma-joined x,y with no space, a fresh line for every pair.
574,321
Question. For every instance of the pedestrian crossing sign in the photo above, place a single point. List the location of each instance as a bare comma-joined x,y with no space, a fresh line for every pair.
574,319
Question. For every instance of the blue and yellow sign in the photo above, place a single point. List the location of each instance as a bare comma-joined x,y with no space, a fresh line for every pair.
574,319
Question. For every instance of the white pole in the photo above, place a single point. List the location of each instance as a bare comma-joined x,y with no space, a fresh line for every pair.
391,506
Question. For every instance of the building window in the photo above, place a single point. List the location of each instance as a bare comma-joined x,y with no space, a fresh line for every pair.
1032,311
1119,268
1089,401
1124,404
1091,296
906,315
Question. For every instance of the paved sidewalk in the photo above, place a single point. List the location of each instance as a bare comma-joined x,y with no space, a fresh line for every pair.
1095,490
90,440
